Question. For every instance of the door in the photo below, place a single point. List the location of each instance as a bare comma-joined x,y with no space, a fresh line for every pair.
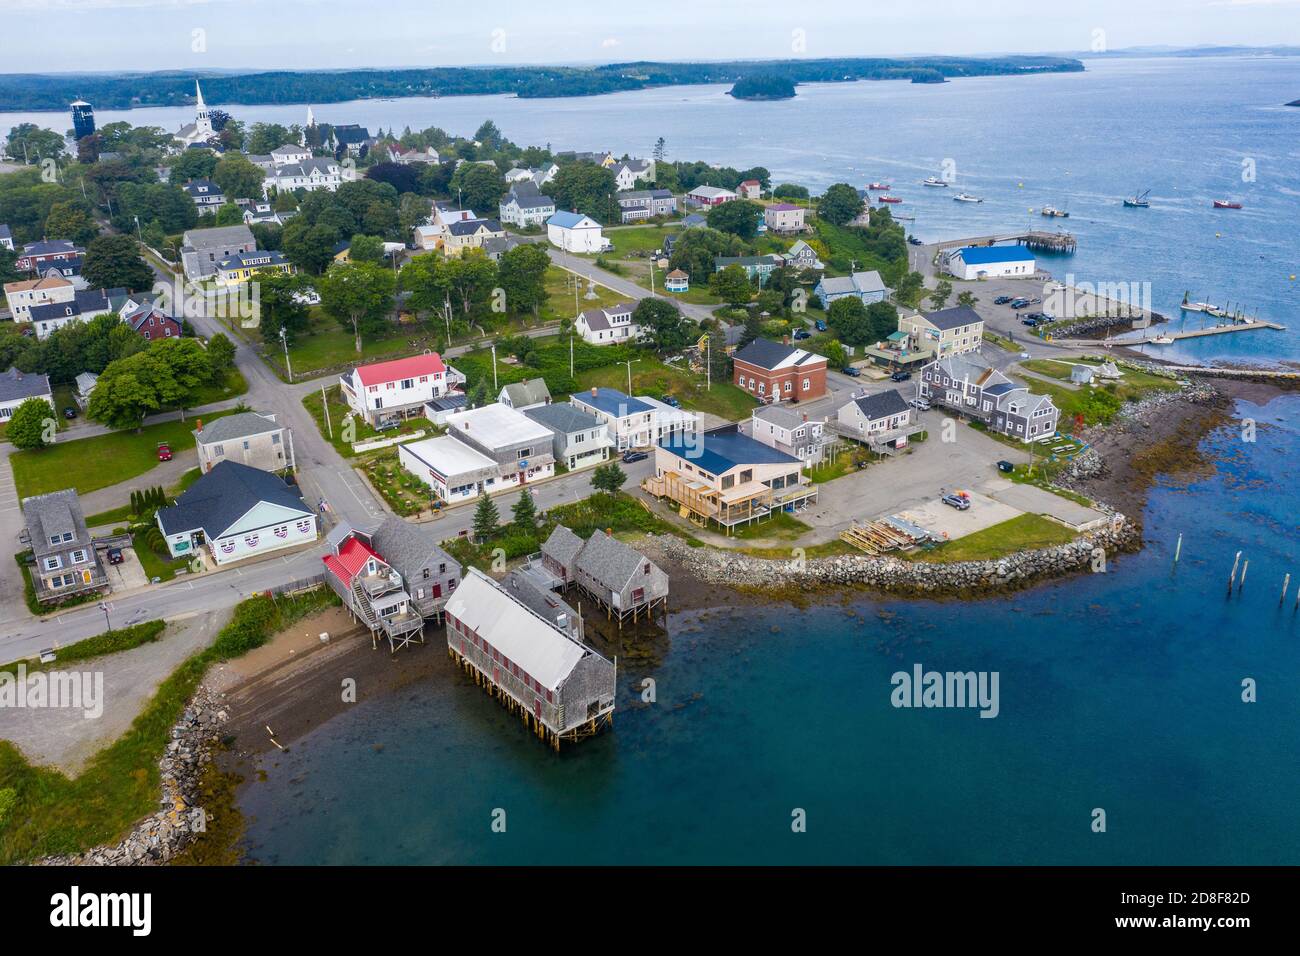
523,478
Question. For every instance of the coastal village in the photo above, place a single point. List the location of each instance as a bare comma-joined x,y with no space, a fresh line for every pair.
502,402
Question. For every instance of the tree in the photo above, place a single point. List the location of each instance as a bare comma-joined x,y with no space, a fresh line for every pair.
521,273
221,356
115,261
412,211
525,511
486,518
30,423
848,317
309,247
660,151
238,178
740,217
193,164
840,204
480,187
281,308
471,279
967,298
942,290
608,477
662,324
264,137
359,294
30,143
696,249
585,188
70,220
366,249
403,177
790,191
882,320
731,285
230,215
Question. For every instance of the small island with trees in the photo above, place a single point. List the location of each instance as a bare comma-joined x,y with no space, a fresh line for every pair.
763,86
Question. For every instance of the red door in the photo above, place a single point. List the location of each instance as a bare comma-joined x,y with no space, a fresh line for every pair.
537,707
523,477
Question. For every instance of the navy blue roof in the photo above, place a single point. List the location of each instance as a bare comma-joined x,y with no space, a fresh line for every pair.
720,451
612,402
224,495
1002,388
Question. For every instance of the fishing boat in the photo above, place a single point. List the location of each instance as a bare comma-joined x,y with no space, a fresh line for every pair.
1199,307
878,186
1140,201
889,199
966,197
933,181
1053,213
1163,340
1226,204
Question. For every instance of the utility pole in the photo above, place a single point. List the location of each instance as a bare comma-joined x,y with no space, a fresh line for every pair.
570,355
494,368
284,340
325,406
628,363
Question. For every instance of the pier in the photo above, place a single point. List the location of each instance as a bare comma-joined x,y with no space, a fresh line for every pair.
1149,336
1038,240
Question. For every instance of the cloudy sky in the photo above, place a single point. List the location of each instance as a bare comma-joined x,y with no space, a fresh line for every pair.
76,35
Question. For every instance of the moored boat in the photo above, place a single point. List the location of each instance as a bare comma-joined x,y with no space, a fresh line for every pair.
966,197
1199,307
1140,201
1053,213
878,186
1163,340
1226,204
889,199
933,181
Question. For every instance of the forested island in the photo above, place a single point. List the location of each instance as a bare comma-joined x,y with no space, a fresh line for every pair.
33,91
764,86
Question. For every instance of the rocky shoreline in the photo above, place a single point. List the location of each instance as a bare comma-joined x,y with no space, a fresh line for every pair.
896,575
161,836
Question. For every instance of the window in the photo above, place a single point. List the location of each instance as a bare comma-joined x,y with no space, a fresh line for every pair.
408,383
275,439
806,385
789,385
52,563
218,450
77,556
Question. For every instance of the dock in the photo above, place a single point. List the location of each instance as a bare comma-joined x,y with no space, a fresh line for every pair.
1148,336
1038,240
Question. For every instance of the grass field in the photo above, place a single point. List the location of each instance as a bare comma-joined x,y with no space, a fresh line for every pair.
560,301
652,377
88,464
339,410
1022,533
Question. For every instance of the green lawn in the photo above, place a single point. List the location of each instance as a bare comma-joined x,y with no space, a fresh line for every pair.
559,296
656,379
327,345
639,238
782,526
233,386
88,464
339,410
1022,533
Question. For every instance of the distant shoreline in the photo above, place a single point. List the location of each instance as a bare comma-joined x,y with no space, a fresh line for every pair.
34,92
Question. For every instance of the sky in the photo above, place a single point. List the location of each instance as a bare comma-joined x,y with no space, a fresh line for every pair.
93,35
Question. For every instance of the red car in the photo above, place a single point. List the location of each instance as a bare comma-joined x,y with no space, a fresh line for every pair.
164,451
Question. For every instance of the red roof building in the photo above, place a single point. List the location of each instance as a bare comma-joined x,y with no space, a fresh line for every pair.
386,392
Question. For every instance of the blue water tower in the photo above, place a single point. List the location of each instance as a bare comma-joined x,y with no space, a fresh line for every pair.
83,119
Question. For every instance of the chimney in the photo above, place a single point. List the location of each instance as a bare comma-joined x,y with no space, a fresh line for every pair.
199,429
805,416
785,340
594,391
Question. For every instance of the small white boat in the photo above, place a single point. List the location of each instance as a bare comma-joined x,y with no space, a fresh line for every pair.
1199,307
933,181
1163,340
966,197
1053,213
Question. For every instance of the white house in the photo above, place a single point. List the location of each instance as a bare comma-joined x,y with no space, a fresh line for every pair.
21,296
290,153
86,304
525,208
455,471
635,421
987,262
782,428
574,232
522,396
16,387
608,326
385,392
632,171
309,174
236,511
866,286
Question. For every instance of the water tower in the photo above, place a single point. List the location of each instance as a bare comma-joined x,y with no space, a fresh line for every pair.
83,119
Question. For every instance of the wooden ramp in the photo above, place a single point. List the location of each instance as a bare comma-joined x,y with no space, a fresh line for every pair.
884,535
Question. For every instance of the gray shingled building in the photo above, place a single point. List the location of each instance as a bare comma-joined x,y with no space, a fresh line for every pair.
64,552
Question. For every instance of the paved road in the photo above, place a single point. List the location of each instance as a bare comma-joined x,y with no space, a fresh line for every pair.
588,270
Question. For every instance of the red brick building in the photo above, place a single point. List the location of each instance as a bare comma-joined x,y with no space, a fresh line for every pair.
776,371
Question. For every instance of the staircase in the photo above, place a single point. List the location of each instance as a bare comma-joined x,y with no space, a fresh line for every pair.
361,605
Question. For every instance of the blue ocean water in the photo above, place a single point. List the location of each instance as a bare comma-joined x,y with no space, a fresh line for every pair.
1120,691
1181,128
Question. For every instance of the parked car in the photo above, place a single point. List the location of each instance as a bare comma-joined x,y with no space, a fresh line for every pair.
1029,322
821,325
1002,300
670,401
115,556
629,457
800,334
850,371
956,501
914,241
920,404
1006,466
900,376
70,412
164,451
1020,303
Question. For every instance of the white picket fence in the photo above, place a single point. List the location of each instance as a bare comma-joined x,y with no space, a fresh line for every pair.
359,447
